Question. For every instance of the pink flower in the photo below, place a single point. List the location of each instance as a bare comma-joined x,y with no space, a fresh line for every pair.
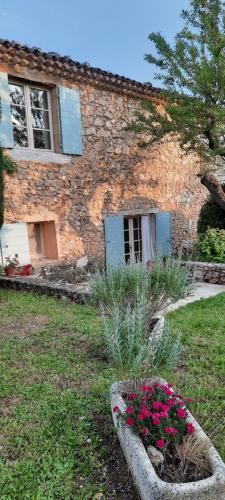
170,385
161,443
130,421
157,405
168,391
171,430
189,400
164,414
143,407
181,403
132,396
130,410
171,402
145,398
145,431
147,413
141,416
116,409
156,421
156,415
147,388
182,413
190,428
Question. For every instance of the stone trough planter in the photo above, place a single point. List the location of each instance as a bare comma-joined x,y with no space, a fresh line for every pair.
149,485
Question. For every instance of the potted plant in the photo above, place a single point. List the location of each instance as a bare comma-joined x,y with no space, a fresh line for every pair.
167,452
11,264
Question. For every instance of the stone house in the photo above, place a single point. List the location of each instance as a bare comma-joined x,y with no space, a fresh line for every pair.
83,186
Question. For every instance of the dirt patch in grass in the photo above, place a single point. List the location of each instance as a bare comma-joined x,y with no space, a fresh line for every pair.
117,477
8,403
22,327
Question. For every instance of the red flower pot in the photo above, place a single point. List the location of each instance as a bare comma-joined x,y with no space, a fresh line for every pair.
10,271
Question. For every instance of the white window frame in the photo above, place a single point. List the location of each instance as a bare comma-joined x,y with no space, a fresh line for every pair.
132,253
28,107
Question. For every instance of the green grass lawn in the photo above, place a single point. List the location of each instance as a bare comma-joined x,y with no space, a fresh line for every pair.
56,438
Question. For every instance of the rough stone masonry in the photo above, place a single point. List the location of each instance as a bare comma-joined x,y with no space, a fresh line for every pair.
113,175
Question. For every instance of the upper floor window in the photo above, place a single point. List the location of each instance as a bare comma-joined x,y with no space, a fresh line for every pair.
31,117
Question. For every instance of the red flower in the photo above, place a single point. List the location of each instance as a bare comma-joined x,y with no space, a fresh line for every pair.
145,431
132,396
161,443
182,413
140,416
145,398
130,421
130,410
171,402
171,430
189,400
116,409
147,413
190,428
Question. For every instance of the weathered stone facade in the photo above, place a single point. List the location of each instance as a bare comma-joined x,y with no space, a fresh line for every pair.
113,175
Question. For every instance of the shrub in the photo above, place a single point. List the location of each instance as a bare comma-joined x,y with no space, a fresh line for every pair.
211,245
130,297
132,345
167,280
211,216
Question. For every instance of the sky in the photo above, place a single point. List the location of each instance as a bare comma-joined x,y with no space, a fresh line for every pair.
109,34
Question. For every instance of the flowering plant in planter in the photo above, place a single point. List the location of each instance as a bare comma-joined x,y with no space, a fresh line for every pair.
159,415
11,264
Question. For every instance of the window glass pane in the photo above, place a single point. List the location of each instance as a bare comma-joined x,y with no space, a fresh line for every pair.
39,99
127,248
18,116
136,246
135,223
40,119
16,93
42,139
20,137
136,234
125,224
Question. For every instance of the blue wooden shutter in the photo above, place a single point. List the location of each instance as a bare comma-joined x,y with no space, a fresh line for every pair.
163,233
6,134
14,239
70,120
114,240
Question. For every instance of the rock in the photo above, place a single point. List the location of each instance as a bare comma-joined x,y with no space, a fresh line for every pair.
82,262
155,455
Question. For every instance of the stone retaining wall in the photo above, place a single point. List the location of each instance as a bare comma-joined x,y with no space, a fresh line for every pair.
207,272
75,293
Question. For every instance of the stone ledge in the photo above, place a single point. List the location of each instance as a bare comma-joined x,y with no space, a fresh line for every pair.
76,293
208,272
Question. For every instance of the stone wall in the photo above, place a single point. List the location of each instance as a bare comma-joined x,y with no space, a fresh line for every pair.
207,272
113,175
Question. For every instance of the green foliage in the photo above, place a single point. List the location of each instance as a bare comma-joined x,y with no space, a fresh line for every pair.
8,166
211,245
167,280
130,297
193,73
211,216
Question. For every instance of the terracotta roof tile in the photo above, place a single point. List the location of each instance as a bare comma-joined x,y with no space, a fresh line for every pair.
49,62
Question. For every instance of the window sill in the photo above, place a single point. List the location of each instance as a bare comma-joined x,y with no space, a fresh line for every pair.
39,156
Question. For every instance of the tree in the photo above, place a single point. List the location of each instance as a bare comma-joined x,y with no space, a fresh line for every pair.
192,72
8,166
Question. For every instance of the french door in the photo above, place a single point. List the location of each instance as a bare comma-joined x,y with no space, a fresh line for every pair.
132,239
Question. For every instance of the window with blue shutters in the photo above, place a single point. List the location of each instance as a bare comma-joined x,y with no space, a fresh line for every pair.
137,239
